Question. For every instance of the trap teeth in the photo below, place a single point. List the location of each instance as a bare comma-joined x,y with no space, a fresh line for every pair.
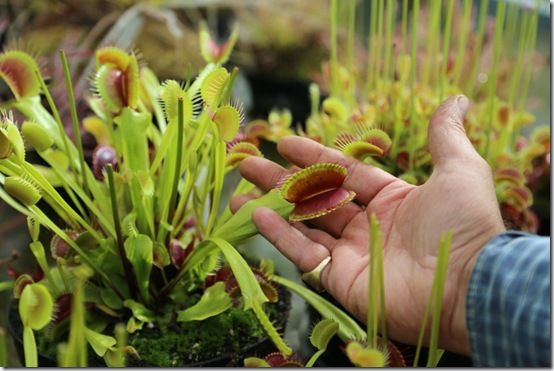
316,191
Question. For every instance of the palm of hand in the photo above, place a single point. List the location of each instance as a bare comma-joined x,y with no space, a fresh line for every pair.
412,220
459,197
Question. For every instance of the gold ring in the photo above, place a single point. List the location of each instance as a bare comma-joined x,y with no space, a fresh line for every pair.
313,277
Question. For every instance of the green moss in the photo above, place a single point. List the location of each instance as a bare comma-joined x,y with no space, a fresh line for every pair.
191,342
168,343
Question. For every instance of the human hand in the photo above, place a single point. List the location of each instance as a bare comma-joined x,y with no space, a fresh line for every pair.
458,197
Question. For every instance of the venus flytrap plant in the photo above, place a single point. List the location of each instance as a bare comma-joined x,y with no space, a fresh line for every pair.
144,214
376,350
400,88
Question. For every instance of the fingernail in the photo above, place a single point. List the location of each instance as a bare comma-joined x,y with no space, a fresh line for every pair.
463,103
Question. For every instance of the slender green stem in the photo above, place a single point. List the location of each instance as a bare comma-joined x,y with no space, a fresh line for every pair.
179,159
270,330
483,10
379,43
462,40
65,277
404,27
511,23
446,49
55,112
372,47
74,119
180,218
434,22
351,22
440,277
413,56
493,75
530,49
219,174
72,184
520,57
127,267
376,314
334,42
389,69
381,279
372,304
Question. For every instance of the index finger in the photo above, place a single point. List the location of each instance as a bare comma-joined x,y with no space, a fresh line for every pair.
363,179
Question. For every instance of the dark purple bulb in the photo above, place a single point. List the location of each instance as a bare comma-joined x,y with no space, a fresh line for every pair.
101,157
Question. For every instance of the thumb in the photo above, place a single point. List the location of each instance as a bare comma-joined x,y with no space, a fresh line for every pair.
447,137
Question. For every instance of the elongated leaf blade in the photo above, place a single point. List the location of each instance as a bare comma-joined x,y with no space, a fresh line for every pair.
140,251
214,301
240,226
249,286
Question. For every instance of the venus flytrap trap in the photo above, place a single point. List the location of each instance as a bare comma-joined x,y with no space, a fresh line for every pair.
316,191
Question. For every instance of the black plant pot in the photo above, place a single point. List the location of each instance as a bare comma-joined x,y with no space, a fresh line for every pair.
259,348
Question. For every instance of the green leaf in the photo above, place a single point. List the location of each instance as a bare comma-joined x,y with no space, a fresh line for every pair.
240,226
30,347
38,251
75,353
134,325
348,328
161,256
249,285
321,334
6,285
35,306
140,312
100,343
244,186
133,127
3,348
34,227
140,251
214,301
219,174
146,183
362,356
116,357
110,298
16,140
255,362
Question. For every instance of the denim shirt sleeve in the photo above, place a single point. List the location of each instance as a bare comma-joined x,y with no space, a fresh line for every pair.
508,302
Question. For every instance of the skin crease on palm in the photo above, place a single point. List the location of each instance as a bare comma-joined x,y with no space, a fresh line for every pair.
458,197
